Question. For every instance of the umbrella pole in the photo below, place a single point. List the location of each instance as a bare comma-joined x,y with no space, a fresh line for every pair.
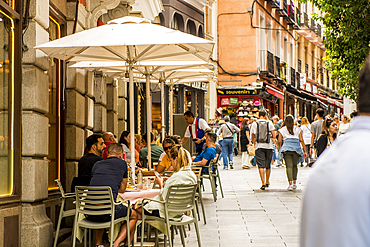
132,119
162,110
171,108
148,119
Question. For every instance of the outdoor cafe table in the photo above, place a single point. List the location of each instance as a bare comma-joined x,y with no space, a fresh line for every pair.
135,195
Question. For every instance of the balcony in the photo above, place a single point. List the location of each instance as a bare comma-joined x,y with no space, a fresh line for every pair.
313,25
298,80
267,63
306,69
274,4
283,9
306,20
318,31
299,66
313,73
277,66
292,77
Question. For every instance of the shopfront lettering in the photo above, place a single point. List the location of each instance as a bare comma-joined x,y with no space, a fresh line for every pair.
240,92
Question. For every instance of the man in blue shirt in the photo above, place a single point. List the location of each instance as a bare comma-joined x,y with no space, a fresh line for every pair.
205,157
112,172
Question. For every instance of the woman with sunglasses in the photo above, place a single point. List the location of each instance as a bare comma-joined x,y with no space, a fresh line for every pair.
328,135
164,162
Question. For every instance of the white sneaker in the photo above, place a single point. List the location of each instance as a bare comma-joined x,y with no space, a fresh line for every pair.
290,187
294,186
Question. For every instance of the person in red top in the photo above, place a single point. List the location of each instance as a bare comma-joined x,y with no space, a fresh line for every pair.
108,138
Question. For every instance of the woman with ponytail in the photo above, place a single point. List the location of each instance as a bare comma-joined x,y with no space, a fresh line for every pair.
182,174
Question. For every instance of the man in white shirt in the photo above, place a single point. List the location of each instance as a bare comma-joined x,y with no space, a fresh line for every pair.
264,146
336,204
196,130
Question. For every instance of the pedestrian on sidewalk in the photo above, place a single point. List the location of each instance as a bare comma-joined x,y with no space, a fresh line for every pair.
306,133
335,208
227,130
316,131
263,137
245,141
328,135
291,149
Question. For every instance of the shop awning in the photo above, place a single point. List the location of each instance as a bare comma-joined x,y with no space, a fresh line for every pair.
274,92
300,93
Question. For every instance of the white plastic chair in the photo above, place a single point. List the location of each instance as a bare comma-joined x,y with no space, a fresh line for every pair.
97,201
63,213
179,199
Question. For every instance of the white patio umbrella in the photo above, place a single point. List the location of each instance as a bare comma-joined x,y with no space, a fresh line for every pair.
170,72
132,40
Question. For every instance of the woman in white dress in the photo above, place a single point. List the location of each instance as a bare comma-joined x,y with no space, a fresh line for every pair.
306,133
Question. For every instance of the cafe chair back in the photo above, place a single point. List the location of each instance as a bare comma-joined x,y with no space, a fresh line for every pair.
63,213
213,173
91,200
179,199
197,171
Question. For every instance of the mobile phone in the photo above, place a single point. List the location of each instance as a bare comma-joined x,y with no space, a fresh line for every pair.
195,139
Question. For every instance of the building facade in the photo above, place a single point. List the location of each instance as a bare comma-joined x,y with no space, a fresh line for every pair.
278,47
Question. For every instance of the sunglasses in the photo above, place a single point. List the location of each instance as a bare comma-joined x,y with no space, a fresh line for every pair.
165,148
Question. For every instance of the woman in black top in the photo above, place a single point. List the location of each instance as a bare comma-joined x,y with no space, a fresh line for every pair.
244,142
328,135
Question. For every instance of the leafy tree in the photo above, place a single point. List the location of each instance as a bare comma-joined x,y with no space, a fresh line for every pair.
347,39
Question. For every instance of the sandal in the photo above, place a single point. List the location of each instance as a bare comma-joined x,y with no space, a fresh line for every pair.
267,185
263,187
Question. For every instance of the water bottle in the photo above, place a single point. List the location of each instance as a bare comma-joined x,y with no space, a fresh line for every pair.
140,180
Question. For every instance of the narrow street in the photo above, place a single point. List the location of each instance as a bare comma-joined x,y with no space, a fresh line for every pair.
248,216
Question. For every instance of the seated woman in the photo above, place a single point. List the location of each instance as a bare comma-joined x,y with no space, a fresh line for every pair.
126,145
182,175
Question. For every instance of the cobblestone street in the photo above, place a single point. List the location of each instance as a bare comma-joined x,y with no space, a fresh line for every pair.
248,216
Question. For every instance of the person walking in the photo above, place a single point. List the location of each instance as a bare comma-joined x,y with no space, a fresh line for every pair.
335,208
196,129
291,149
244,143
263,136
344,125
316,130
227,130
306,133
328,135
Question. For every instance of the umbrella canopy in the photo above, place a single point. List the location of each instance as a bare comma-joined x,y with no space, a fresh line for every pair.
132,40
129,39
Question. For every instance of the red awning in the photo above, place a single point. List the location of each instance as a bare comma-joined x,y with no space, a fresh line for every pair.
274,92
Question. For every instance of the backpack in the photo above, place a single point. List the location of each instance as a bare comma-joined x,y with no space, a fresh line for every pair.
263,132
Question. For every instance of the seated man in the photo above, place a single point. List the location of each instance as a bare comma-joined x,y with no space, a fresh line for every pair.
108,138
205,157
112,172
95,147
156,150
218,146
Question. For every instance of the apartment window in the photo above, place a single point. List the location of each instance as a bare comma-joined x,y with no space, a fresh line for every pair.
262,39
278,43
285,50
269,37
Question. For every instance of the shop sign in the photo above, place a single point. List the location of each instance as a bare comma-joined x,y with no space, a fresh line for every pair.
233,101
308,87
302,80
237,92
314,89
225,101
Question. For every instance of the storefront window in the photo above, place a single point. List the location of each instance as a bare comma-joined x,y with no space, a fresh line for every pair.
6,138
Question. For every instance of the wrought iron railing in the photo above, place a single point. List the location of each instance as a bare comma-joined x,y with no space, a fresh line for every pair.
277,66
306,69
292,77
313,73
299,66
